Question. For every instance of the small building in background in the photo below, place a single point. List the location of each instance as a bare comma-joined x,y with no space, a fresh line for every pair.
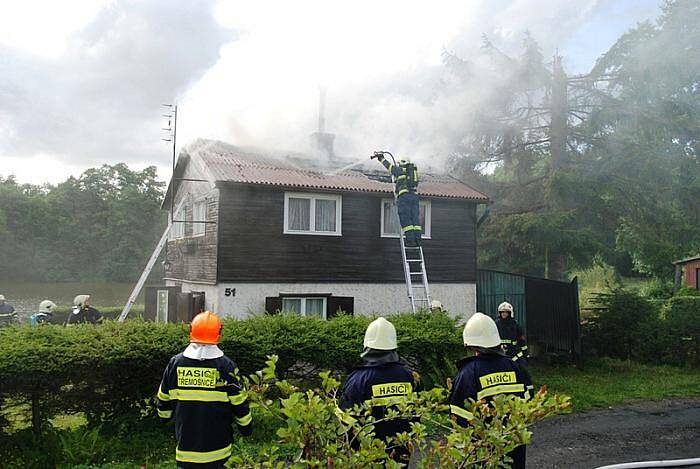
691,267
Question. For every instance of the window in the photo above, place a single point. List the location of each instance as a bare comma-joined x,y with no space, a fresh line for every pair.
311,307
390,218
199,213
178,229
318,214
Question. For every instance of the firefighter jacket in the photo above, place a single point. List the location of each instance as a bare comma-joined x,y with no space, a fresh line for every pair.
382,383
483,377
84,315
204,397
405,177
513,339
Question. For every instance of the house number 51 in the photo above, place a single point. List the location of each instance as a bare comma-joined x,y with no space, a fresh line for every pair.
230,292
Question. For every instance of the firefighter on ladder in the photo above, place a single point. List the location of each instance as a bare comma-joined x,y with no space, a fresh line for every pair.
201,391
406,183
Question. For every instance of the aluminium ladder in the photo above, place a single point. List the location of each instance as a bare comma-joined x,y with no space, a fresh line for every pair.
412,256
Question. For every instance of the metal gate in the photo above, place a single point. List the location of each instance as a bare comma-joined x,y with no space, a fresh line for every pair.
548,310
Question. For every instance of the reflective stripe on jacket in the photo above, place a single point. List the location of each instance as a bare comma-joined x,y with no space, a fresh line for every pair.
512,338
205,397
405,177
382,386
483,377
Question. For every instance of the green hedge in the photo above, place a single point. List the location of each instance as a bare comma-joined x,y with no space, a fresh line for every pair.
111,371
630,326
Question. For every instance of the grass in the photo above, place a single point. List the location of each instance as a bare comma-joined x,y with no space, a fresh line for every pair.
601,278
608,382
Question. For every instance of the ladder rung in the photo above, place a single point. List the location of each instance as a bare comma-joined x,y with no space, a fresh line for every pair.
414,260
415,273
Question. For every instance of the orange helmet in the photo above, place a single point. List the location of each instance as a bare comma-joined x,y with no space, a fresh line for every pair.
206,328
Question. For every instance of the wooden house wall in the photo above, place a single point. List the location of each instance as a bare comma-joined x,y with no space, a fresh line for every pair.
253,247
194,258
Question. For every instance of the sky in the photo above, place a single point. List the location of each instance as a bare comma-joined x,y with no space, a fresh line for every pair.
83,81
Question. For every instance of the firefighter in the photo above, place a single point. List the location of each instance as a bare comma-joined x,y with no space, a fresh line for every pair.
436,307
83,312
382,380
7,312
512,337
201,391
44,315
487,374
406,183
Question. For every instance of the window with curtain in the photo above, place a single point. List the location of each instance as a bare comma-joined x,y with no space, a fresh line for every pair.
390,218
199,213
312,214
309,307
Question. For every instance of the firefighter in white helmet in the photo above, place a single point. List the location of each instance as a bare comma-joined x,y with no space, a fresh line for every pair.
512,336
83,312
382,378
487,374
44,315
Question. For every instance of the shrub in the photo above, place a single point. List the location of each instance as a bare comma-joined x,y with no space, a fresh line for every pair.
684,328
658,289
630,326
110,372
625,321
310,422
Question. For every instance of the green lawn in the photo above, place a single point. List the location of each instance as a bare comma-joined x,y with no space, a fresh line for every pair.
608,382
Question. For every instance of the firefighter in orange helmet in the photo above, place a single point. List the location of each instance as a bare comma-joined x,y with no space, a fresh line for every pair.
201,391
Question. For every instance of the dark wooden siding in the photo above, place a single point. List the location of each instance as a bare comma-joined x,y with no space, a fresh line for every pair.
253,247
194,258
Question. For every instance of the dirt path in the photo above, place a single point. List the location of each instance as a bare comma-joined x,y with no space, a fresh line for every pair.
668,429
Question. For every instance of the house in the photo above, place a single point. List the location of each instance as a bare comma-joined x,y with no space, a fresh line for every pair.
262,230
691,265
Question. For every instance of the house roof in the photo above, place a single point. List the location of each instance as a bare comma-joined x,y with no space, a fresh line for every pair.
687,259
230,164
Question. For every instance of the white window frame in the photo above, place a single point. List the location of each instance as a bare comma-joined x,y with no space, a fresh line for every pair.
312,213
303,304
177,230
427,229
195,218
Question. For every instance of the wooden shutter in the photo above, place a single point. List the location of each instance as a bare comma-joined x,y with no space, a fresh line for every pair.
273,304
343,303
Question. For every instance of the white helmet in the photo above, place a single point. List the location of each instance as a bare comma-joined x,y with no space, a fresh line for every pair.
80,300
405,160
2,297
436,305
380,335
46,306
505,306
481,331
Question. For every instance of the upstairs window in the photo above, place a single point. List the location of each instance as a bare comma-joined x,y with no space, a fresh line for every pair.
199,213
177,230
390,219
316,214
